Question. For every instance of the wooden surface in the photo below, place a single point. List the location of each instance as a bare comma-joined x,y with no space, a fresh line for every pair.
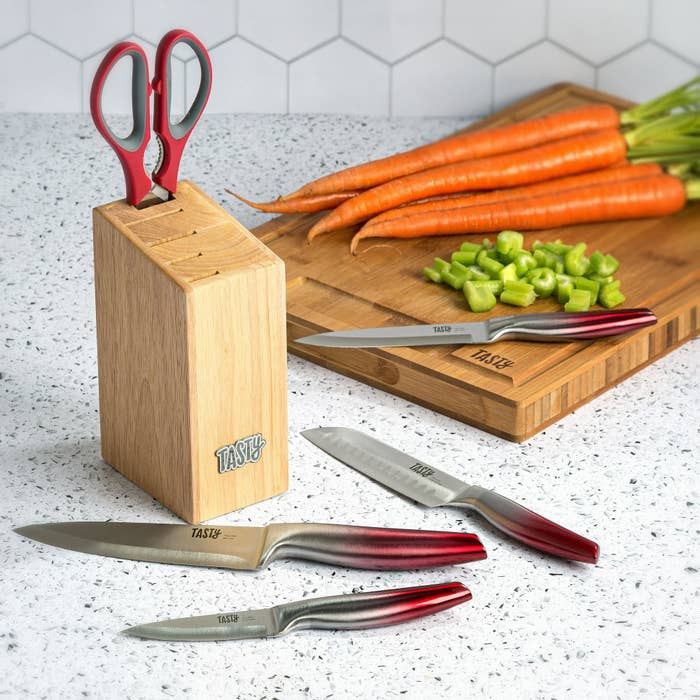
191,352
328,289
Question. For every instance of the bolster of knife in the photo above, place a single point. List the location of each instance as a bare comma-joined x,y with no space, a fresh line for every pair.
370,609
529,527
369,547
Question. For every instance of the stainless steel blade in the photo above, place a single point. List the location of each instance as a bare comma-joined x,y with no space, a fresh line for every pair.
249,624
226,547
402,336
390,467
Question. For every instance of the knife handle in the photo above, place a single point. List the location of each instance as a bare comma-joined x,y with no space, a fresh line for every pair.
357,611
529,527
369,547
584,325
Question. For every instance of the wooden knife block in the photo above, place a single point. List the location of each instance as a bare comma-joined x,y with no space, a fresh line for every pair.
191,349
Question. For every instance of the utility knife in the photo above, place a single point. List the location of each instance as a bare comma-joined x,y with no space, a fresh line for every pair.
429,486
251,548
557,326
353,611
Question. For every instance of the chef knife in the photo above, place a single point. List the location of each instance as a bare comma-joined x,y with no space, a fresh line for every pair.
431,487
250,548
342,612
558,326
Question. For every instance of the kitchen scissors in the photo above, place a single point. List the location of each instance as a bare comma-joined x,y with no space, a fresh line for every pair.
172,136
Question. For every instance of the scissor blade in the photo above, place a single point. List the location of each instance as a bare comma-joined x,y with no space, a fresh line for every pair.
398,336
226,547
249,624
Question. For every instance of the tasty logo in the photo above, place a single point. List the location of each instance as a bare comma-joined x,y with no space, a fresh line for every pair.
422,469
442,329
206,533
489,358
239,453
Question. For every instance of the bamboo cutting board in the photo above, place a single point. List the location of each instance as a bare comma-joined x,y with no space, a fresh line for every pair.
511,388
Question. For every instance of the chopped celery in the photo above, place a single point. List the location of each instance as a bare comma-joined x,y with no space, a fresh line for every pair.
600,279
479,298
454,279
543,280
488,264
508,273
474,272
466,257
575,262
558,248
496,286
432,274
579,300
520,275
603,265
590,286
524,262
508,241
545,258
610,295
518,293
439,264
564,289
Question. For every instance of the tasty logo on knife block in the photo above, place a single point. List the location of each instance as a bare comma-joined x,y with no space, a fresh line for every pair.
247,450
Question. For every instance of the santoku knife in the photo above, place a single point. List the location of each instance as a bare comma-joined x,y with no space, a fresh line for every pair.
558,326
252,548
343,612
431,487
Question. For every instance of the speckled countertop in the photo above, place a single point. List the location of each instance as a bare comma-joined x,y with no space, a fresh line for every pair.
622,469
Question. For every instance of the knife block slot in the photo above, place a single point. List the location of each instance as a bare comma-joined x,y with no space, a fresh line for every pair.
191,345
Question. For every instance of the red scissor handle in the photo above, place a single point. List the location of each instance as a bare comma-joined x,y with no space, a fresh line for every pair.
173,136
129,149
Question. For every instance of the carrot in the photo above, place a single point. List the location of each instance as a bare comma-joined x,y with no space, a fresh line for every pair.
612,174
299,204
564,157
656,195
476,144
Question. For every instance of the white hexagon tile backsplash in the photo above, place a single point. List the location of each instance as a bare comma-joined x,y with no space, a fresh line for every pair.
375,57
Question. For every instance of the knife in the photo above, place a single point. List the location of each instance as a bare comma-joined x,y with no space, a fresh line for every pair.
251,548
342,612
431,487
558,326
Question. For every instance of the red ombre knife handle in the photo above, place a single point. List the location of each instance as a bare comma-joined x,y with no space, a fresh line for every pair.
357,611
528,527
584,325
369,547
173,136
130,149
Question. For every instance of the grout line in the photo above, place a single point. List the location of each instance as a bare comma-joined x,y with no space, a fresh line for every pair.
443,19
55,46
672,52
313,49
415,52
467,51
14,39
391,92
340,5
29,16
215,45
365,50
287,98
571,52
621,54
237,16
520,51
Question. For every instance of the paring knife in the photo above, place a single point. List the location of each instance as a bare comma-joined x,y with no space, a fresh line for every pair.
342,612
251,548
559,326
431,487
